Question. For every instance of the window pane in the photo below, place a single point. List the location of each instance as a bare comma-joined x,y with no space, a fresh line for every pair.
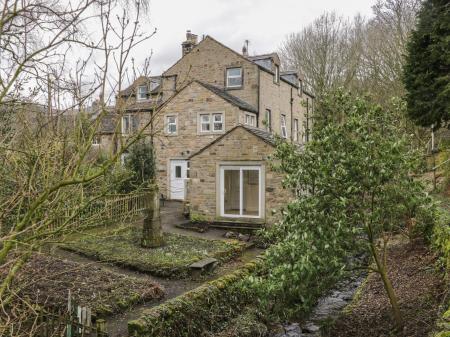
205,118
231,192
172,128
177,171
217,117
250,185
125,124
218,126
234,81
234,72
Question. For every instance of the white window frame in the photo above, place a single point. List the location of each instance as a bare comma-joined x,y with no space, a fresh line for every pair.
228,77
268,119
123,157
214,122
205,123
126,131
295,126
276,76
250,120
141,96
211,122
283,126
240,168
169,123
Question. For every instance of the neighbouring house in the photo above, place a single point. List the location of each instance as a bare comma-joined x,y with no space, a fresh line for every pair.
214,116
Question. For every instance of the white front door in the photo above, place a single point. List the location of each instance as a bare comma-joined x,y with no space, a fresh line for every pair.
178,174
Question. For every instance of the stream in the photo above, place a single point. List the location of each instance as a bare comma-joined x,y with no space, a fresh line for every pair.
327,308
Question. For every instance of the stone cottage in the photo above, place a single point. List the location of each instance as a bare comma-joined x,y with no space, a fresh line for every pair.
214,116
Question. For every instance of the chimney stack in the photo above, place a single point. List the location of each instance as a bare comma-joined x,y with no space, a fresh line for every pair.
189,44
245,48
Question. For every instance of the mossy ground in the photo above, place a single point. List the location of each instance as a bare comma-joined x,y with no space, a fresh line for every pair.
121,246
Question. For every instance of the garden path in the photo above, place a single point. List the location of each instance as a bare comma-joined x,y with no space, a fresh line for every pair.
171,215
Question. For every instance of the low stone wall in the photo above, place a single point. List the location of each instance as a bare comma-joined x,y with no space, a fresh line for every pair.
206,307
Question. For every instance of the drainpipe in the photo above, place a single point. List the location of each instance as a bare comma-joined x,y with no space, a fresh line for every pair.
258,98
292,116
307,121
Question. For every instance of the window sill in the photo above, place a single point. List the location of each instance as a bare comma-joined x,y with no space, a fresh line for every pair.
209,133
234,88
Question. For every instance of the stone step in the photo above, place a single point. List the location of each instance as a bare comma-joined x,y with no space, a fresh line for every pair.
205,264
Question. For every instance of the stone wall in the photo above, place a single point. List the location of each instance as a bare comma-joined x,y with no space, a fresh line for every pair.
277,98
239,146
187,105
189,314
208,61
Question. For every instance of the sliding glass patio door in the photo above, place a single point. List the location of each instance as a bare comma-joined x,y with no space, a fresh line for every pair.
240,190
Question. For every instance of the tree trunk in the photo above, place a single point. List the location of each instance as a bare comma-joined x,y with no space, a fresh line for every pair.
152,234
381,268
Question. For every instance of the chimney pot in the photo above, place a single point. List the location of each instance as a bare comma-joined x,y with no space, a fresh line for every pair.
189,44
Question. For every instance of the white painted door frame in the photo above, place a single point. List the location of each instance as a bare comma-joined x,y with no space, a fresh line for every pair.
241,190
177,177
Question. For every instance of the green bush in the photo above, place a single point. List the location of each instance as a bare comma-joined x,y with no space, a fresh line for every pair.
141,163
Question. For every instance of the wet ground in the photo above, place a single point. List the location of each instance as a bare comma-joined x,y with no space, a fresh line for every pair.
328,308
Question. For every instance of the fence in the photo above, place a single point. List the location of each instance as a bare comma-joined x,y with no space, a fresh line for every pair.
76,321
109,209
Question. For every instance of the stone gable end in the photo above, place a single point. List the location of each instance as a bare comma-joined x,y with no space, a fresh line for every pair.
208,61
187,105
237,147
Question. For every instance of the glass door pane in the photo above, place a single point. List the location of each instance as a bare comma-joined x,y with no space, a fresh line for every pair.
231,192
250,192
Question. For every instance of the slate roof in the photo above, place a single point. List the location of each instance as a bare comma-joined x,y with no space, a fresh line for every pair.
229,98
142,80
263,134
262,57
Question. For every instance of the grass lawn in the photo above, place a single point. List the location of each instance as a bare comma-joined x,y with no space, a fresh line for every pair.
122,246
46,280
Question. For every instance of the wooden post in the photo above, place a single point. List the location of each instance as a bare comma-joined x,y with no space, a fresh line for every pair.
101,327
152,234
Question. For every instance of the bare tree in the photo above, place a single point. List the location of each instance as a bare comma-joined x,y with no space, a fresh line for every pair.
384,46
47,164
361,55
326,52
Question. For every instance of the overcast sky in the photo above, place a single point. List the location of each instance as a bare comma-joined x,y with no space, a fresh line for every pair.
264,22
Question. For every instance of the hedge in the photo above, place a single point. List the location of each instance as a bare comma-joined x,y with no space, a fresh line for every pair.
441,243
207,307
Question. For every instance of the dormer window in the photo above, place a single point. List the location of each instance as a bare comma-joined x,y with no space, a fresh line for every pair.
142,92
276,76
153,85
234,77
